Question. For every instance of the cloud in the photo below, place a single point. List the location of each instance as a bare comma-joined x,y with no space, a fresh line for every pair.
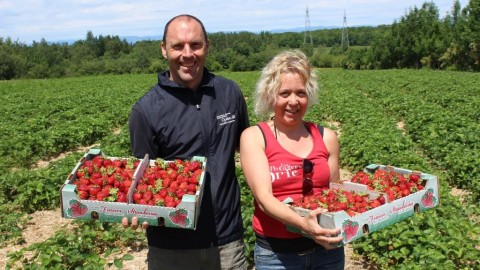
30,20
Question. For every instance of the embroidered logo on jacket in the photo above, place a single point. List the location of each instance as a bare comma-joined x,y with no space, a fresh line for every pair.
226,118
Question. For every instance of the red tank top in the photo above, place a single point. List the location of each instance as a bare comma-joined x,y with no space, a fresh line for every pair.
287,177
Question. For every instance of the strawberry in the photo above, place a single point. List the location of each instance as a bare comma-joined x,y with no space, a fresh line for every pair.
381,200
94,189
137,196
147,195
374,204
159,201
83,194
414,178
405,192
192,187
117,163
193,165
122,197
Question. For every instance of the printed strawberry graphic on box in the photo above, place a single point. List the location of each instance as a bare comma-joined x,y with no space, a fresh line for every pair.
350,229
428,199
77,209
179,217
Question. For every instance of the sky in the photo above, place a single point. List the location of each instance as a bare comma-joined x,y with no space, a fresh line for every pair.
58,20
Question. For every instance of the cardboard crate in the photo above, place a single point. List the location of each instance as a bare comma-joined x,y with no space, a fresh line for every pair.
355,227
184,215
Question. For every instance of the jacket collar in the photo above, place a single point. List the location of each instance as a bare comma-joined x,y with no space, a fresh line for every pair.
164,81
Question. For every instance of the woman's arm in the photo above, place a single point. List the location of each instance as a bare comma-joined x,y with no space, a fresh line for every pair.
331,142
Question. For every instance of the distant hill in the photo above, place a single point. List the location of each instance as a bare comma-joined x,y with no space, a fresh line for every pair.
134,39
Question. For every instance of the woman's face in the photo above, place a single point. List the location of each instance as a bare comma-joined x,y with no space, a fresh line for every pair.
292,99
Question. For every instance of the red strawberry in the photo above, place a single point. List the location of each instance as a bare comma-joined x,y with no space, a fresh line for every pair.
381,199
94,189
374,203
83,194
122,197
193,166
117,163
147,195
192,187
414,178
137,196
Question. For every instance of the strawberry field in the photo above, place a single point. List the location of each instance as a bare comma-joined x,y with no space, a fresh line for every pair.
421,120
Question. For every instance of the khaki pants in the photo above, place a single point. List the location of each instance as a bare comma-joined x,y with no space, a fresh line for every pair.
229,256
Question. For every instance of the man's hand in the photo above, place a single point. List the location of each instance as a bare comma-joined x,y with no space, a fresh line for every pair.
134,224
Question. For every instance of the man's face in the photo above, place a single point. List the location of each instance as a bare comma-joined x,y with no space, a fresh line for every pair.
185,49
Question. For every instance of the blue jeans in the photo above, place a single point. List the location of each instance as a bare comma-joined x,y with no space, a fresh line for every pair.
318,258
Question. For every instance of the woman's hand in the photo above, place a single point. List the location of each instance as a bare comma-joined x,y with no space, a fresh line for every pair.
134,224
328,238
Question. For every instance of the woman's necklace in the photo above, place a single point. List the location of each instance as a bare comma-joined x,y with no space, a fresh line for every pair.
275,129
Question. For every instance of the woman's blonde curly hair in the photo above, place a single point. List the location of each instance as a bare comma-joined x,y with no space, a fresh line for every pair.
290,61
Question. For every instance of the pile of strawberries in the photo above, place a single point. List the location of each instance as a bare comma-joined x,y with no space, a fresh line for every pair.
105,179
393,184
337,199
165,183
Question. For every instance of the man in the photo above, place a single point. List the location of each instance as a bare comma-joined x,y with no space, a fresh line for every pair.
192,112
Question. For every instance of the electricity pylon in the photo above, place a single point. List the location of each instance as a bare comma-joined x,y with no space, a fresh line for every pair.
307,29
345,42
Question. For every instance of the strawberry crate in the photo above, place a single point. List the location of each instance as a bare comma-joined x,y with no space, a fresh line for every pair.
393,211
109,209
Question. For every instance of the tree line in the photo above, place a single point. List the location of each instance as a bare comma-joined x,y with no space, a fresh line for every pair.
419,39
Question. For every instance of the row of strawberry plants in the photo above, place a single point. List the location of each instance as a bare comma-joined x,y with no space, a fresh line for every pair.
444,124
25,191
85,245
359,124
66,249
42,118
370,135
88,245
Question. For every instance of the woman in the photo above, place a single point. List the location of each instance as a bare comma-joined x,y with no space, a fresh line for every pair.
287,157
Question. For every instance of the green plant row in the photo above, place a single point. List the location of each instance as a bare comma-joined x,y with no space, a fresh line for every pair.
86,246
26,191
440,114
42,118
89,244
369,134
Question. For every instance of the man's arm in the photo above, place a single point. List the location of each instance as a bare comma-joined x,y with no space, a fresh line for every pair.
244,121
142,139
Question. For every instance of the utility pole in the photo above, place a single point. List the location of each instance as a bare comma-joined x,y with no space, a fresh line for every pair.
345,42
307,29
